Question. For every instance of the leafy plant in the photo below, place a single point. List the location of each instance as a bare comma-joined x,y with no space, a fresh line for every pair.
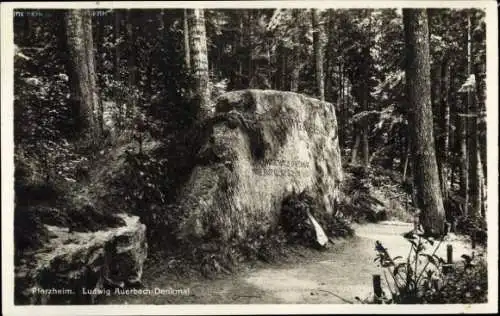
420,277
295,221
144,184
467,284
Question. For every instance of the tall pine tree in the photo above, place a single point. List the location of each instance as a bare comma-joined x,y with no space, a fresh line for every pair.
426,178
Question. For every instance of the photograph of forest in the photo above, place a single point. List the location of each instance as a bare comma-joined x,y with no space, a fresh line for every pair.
250,156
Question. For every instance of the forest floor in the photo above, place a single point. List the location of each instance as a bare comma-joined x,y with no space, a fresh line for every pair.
334,276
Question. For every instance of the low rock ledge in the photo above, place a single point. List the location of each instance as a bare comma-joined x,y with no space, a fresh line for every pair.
73,264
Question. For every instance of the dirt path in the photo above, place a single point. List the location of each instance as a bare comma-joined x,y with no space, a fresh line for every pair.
334,276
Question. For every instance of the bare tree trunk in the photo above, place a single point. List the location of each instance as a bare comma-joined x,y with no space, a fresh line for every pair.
342,132
199,60
436,87
238,43
187,51
329,75
454,166
281,74
366,148
464,157
355,149
366,93
116,33
89,47
318,55
445,125
284,68
436,108
99,39
131,61
481,143
426,177
482,185
464,164
248,39
83,89
295,76
474,166
117,64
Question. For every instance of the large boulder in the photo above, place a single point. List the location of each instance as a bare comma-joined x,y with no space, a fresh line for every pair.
259,147
77,267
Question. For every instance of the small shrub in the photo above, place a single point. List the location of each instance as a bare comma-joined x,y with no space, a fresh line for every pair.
419,278
295,222
143,185
334,225
294,217
467,284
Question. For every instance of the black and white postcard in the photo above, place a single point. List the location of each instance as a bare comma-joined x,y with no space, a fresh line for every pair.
240,157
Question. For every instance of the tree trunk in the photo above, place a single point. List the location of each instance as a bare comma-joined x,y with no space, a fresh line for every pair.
318,55
116,33
474,183
342,132
131,61
187,51
199,61
241,81
444,140
454,165
355,149
426,177
283,75
366,92
482,185
366,148
464,164
98,35
295,76
117,66
436,103
83,90
455,143
248,40
330,84
294,80
464,158
480,72
329,74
